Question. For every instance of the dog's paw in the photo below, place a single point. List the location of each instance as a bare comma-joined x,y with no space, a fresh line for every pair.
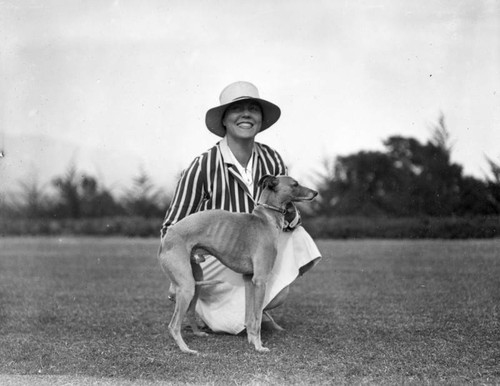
191,352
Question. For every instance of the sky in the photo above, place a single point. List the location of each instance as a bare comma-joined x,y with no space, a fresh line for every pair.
119,87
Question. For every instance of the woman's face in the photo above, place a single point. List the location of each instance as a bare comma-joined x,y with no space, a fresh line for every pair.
243,119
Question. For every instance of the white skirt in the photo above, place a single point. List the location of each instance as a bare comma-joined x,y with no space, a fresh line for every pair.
222,306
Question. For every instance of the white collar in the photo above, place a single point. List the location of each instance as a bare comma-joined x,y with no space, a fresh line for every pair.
229,158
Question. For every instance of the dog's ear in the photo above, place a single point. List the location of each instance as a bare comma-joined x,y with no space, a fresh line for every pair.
268,181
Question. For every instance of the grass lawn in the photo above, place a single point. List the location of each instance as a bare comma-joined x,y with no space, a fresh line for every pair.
94,310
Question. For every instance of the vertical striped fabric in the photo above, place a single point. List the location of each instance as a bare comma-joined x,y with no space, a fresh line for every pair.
210,183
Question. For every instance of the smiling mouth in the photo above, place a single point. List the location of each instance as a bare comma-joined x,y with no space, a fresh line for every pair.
245,125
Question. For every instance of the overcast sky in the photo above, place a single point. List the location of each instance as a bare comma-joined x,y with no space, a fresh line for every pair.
132,80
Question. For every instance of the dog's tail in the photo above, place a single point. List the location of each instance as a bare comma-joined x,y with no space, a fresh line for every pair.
201,283
208,282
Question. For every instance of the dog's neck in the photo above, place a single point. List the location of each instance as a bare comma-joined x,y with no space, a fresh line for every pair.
272,207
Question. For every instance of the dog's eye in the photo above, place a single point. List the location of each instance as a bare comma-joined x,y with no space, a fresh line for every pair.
295,184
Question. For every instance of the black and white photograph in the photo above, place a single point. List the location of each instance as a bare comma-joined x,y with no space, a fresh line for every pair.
267,192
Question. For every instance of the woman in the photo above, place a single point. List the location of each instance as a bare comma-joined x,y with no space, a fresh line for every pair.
225,177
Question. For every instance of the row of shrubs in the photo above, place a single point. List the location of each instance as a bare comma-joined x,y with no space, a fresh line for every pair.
405,228
107,226
318,227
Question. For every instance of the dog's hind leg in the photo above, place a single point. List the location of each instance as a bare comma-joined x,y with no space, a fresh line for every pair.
171,293
191,312
184,295
175,262
171,290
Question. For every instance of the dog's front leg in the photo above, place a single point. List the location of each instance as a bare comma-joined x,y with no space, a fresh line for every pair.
248,299
256,290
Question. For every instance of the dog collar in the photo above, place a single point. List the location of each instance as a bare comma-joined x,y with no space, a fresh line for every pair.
272,207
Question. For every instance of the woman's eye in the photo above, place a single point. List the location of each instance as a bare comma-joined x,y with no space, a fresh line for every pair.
235,109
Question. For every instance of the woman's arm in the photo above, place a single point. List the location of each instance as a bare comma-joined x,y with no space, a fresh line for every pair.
292,216
188,195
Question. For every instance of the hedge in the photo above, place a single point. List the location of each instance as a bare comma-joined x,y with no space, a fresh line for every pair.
404,228
318,227
113,226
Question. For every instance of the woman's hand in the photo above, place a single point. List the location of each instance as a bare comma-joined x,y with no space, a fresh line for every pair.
292,218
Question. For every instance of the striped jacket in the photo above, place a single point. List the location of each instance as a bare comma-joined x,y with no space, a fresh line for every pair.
211,182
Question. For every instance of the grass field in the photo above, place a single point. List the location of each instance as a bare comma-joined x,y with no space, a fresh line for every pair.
94,311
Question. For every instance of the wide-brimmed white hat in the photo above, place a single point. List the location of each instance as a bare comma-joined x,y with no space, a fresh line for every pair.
233,93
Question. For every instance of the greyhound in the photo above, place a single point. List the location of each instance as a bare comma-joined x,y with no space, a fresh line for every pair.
244,242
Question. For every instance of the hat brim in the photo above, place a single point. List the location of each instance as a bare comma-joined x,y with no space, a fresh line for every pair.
213,119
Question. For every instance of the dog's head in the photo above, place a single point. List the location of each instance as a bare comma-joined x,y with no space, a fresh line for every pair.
287,188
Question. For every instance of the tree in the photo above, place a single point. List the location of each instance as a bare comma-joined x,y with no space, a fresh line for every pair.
97,201
476,198
441,137
7,208
33,201
327,188
409,179
366,183
79,195
495,171
69,203
493,184
431,180
143,199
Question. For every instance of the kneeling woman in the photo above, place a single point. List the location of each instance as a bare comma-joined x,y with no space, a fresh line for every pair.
225,177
